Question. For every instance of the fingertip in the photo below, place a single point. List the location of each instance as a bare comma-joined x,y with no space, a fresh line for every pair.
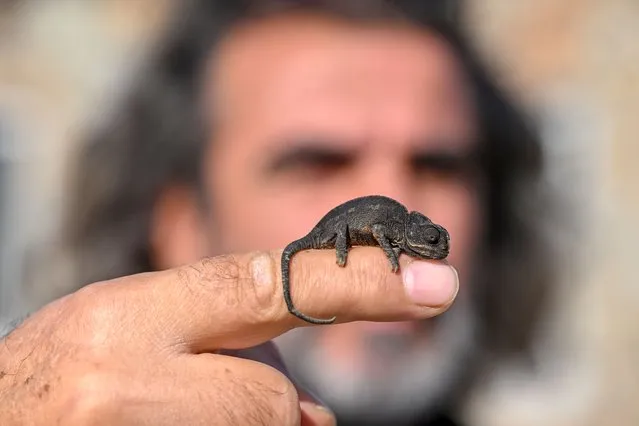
431,284
316,415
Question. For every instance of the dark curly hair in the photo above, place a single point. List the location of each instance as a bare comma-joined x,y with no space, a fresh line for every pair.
156,138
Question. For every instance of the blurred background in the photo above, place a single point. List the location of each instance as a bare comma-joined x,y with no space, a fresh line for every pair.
576,64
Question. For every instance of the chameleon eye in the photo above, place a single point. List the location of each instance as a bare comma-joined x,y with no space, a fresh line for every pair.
432,235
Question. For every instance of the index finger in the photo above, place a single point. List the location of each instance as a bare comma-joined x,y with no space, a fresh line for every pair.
236,301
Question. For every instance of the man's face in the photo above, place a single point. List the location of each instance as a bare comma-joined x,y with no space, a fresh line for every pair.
309,113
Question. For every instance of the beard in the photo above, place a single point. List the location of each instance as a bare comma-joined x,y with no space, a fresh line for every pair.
395,377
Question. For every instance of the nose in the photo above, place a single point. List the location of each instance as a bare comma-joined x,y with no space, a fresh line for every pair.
446,242
385,177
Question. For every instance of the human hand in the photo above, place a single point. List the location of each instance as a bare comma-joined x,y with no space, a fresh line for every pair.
165,348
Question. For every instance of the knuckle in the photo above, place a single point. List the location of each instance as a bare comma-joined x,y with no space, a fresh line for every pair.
259,290
218,268
214,278
95,317
212,274
89,398
288,404
242,285
276,399
288,399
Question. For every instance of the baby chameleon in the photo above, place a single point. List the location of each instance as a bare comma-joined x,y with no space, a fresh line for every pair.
372,220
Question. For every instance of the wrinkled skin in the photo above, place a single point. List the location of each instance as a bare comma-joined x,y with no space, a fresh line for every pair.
426,239
179,346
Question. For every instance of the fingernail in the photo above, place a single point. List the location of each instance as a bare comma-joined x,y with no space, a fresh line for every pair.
431,284
318,413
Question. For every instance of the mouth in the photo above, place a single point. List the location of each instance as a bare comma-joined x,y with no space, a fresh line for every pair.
429,253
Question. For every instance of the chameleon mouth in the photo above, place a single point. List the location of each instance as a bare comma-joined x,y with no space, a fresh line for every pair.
429,253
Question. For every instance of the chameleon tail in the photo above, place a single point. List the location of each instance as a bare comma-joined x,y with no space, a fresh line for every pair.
290,250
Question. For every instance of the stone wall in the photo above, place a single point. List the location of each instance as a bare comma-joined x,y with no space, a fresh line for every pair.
60,64
577,62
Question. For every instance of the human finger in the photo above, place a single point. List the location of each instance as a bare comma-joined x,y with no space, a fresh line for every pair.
236,301
313,411
195,390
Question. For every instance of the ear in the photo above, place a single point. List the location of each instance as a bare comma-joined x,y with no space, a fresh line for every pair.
177,230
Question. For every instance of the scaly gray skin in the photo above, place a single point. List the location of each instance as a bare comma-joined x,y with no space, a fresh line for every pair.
372,220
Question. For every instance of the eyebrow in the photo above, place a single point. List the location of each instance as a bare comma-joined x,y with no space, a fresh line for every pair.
445,159
325,151
439,157
308,153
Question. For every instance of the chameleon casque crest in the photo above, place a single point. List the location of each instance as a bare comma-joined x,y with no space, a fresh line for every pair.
372,220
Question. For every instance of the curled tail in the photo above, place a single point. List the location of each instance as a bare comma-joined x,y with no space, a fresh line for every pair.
290,250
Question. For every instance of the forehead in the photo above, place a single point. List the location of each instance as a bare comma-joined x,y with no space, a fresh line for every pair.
313,68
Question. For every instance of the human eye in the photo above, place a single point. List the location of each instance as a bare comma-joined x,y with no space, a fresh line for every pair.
315,160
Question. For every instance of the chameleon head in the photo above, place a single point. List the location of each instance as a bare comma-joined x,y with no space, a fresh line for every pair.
426,239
